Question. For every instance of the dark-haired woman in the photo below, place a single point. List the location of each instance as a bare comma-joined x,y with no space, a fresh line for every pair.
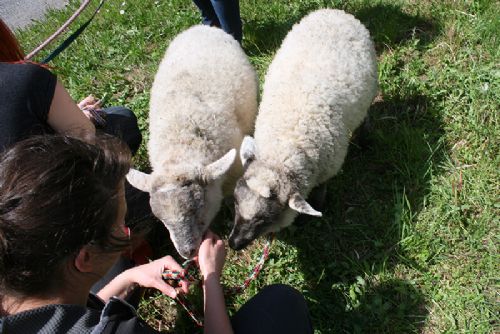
62,210
34,102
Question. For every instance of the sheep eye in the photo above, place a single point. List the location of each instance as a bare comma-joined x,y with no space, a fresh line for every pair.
187,183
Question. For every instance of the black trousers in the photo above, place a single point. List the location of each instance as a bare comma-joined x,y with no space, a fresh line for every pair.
275,309
122,123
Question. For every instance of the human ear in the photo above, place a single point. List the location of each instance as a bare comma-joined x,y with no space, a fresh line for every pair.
83,261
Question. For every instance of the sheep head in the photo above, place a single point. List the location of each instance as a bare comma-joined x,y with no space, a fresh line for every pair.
263,199
185,203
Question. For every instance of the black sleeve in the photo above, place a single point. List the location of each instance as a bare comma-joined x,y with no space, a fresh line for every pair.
42,89
119,317
26,93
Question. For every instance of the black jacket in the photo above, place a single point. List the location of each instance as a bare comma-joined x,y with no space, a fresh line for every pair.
117,316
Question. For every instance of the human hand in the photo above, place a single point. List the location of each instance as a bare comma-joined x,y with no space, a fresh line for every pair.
90,102
212,255
150,275
91,107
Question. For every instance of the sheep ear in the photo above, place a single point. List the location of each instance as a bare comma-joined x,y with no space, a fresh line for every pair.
257,186
220,167
139,180
247,151
299,204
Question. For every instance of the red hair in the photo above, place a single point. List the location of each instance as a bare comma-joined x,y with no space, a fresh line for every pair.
10,50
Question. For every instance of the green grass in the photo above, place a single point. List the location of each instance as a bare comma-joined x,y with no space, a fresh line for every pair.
409,239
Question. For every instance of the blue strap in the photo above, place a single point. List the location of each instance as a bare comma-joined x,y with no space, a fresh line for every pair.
71,37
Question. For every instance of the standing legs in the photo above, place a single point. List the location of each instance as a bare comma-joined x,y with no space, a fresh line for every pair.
222,13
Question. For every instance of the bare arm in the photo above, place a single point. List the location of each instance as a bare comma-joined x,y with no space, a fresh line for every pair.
147,275
216,317
66,117
211,259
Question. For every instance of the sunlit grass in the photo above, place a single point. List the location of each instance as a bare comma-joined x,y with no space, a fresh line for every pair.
409,239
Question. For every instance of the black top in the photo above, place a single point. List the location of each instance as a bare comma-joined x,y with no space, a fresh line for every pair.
97,318
26,92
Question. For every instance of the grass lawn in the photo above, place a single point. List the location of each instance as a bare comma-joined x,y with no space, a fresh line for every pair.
409,239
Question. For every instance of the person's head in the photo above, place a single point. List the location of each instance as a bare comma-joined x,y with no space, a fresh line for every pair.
10,50
61,207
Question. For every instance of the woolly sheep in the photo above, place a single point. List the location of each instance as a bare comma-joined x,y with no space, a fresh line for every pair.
316,92
203,102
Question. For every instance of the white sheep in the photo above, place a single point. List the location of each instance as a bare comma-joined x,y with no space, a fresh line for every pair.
203,103
317,90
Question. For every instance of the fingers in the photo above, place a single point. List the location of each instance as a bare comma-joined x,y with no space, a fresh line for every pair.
167,289
170,263
87,101
211,235
87,113
90,102
184,285
96,105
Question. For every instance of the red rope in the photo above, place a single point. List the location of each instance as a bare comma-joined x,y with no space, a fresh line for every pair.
177,276
256,270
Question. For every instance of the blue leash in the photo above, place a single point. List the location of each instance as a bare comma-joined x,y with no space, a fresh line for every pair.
71,37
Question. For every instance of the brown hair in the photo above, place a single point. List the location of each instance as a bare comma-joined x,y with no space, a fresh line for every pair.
57,194
10,50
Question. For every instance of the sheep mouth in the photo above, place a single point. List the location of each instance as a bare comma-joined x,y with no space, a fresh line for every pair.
239,244
240,239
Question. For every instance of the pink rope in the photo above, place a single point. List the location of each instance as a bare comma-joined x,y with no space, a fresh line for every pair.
84,4
256,270
178,275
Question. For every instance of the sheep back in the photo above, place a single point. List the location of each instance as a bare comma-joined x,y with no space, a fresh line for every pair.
317,91
203,100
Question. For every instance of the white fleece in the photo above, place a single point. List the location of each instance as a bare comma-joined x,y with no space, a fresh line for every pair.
317,91
203,102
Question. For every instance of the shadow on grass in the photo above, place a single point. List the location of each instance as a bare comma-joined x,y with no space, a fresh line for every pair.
265,36
388,26
367,208
393,306
344,256
383,184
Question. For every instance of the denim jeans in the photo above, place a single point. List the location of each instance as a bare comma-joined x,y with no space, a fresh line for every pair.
222,13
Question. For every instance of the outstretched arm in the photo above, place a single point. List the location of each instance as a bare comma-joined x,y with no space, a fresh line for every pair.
147,275
211,259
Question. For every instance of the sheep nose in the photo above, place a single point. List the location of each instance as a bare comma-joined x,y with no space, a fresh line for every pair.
237,243
192,253
188,252
232,243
